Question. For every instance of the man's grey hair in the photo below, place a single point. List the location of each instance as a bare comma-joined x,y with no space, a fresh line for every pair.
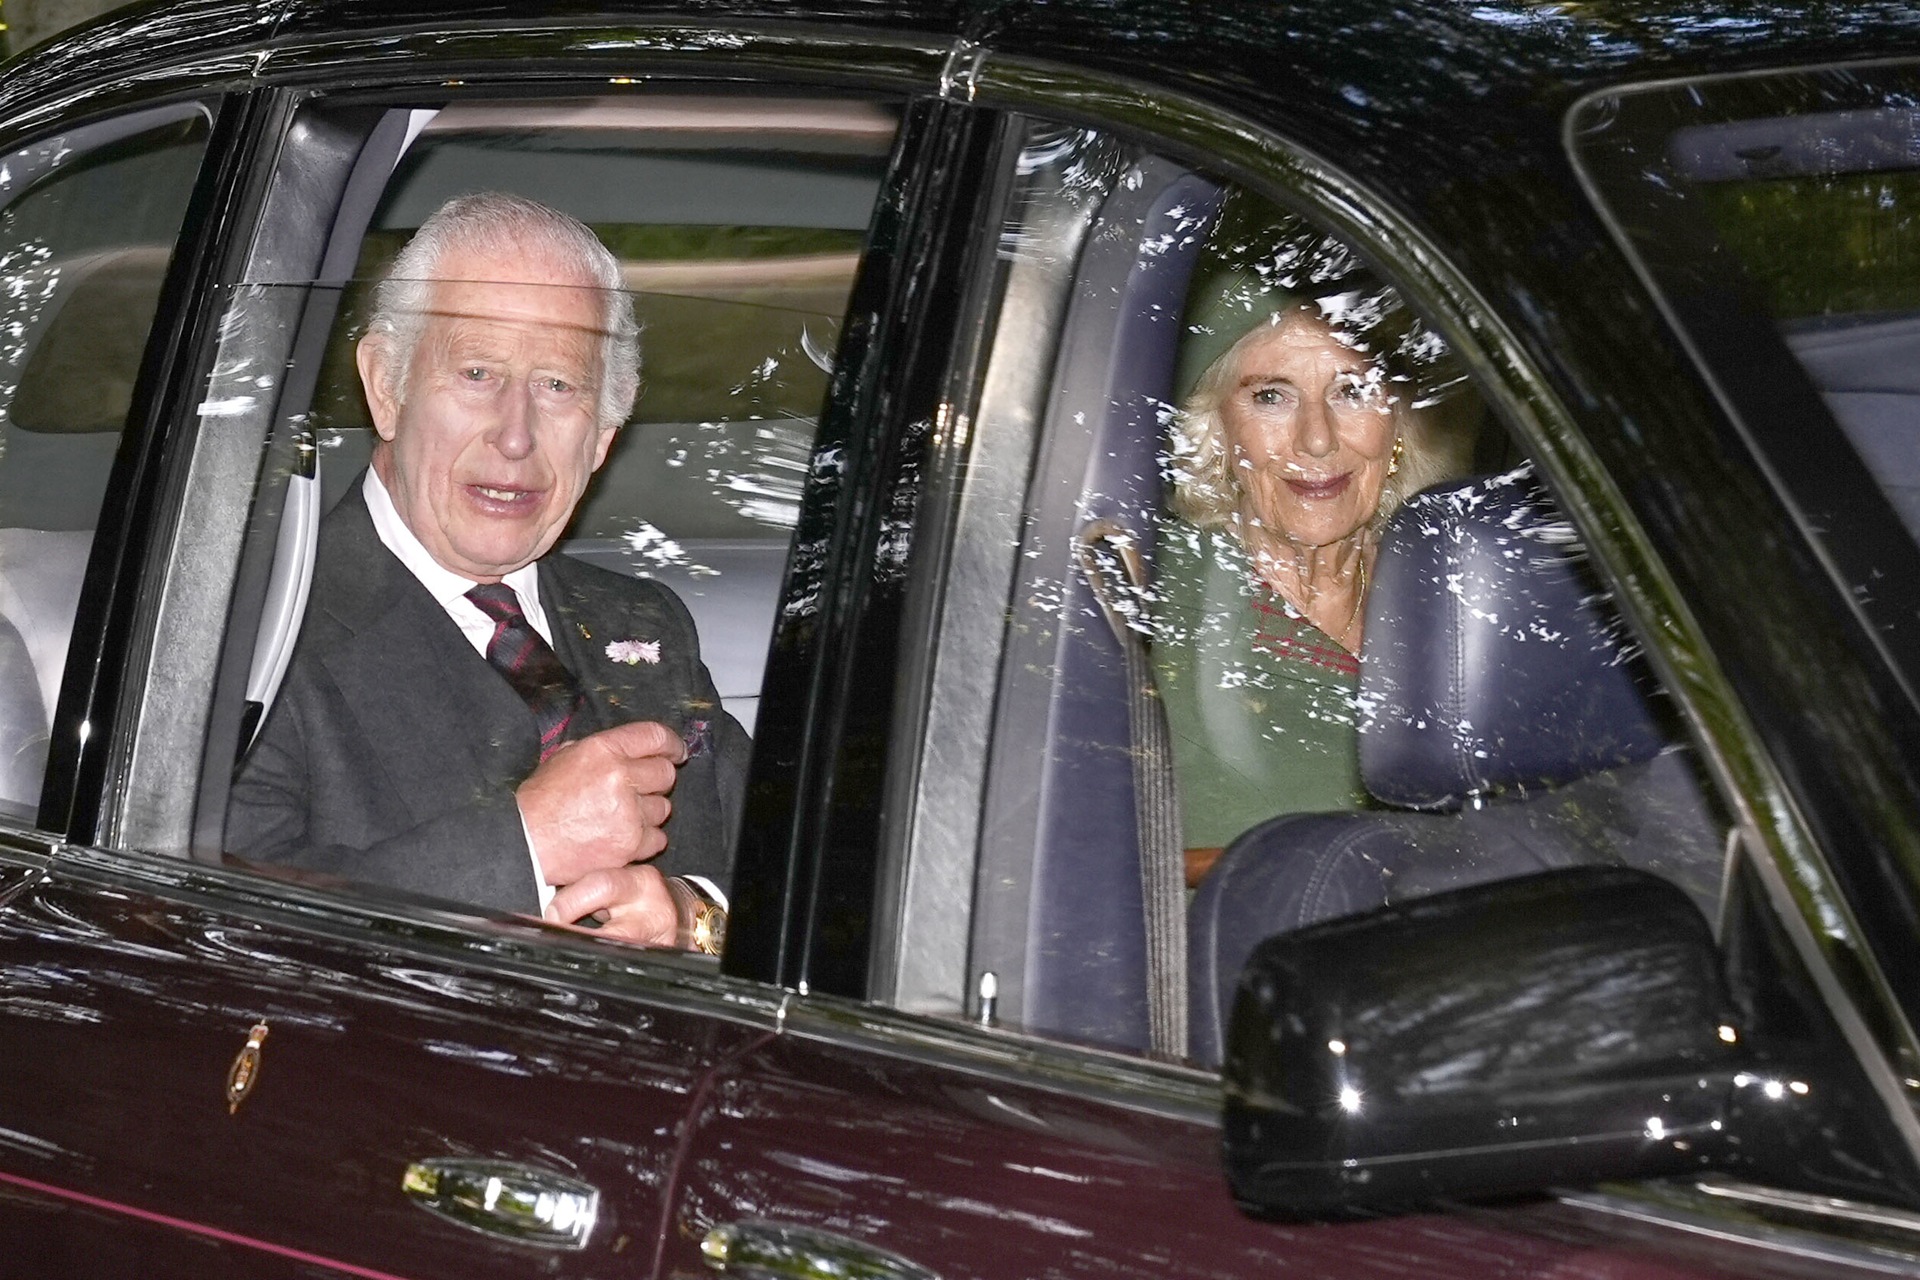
1206,492
497,222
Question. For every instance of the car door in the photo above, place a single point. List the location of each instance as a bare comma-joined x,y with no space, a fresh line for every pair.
967,1078
210,1071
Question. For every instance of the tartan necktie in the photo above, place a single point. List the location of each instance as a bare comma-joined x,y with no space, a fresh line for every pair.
530,665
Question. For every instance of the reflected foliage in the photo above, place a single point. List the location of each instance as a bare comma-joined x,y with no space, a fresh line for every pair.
1855,240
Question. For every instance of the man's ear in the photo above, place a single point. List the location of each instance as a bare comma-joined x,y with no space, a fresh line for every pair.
371,355
603,444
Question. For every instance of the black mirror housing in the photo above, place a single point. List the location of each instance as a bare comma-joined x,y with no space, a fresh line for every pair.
1554,1030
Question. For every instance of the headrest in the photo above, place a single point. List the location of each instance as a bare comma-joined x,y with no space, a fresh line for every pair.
1492,659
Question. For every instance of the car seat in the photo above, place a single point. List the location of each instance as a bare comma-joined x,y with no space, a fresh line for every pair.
1503,710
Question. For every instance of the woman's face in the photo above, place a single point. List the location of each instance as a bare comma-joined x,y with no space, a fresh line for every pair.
1309,429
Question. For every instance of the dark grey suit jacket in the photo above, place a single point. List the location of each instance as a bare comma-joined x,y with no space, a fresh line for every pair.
393,749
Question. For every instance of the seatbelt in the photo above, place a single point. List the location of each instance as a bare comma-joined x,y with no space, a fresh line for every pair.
1110,561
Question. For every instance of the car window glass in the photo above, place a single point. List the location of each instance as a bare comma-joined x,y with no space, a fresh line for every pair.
1814,210
1775,215
88,221
1291,628
736,227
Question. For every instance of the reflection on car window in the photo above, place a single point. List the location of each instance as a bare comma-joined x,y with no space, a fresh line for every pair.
1840,188
88,221
1786,203
1294,631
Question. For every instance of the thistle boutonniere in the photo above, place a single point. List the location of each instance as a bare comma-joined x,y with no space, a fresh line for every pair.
635,652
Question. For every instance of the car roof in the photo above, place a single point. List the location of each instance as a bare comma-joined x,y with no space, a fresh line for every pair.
1453,111
1400,56
1359,80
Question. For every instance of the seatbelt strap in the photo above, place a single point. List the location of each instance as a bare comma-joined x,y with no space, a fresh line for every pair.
1109,557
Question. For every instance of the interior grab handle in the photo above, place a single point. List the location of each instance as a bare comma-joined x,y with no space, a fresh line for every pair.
760,1250
513,1201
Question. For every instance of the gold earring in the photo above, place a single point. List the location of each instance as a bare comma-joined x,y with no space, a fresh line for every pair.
1399,452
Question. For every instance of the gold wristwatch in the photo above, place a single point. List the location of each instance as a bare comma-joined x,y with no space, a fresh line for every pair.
703,921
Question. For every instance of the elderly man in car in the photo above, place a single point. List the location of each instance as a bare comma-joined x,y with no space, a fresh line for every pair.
469,714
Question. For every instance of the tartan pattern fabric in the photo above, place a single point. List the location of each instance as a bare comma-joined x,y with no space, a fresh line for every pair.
530,665
1285,634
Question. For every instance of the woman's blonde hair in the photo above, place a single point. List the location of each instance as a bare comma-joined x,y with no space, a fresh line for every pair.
1205,491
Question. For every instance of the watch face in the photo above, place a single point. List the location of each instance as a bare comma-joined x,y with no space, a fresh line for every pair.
710,929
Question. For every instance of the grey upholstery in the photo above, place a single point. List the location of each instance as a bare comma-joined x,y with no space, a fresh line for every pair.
1491,667
40,575
1869,375
23,726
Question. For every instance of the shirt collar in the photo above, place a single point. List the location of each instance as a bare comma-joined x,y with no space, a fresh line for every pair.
442,583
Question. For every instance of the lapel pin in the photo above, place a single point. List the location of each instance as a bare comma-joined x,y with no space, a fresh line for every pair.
635,652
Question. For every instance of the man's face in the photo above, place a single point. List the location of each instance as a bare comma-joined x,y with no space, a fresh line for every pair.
489,435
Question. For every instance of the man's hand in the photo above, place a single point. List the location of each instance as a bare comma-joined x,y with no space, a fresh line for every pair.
634,902
599,803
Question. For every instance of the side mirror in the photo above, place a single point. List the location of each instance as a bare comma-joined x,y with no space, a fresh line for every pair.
1559,1029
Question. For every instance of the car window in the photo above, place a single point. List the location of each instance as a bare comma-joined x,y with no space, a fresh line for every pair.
1775,217
1279,623
736,226
88,221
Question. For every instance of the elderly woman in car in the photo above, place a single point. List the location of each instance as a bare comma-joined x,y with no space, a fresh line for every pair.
1299,431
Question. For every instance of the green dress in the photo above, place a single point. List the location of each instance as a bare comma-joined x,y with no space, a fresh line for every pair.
1261,704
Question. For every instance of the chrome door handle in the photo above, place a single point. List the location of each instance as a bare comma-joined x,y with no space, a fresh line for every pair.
516,1201
758,1250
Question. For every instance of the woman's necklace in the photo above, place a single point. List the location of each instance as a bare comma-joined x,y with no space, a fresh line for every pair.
1359,599
1270,578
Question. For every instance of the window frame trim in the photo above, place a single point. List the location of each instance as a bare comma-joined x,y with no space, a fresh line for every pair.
454,54
1000,394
